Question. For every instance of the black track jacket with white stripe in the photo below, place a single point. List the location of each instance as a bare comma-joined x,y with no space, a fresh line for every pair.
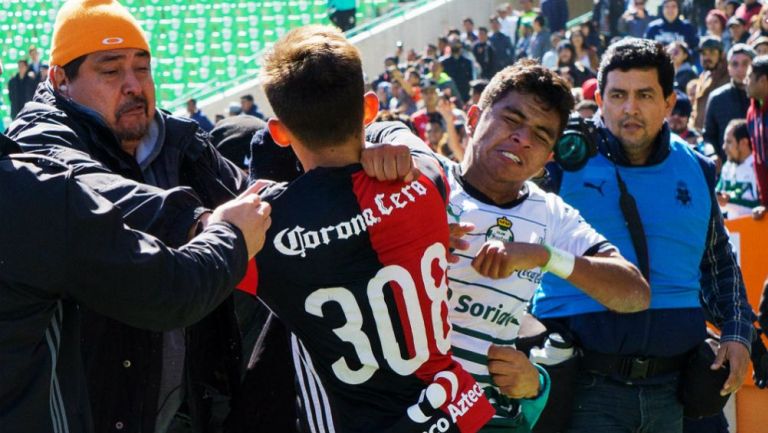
61,244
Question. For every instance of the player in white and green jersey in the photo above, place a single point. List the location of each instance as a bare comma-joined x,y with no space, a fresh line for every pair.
737,187
518,230
485,311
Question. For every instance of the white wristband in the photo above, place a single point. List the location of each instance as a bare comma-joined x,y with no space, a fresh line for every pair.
561,263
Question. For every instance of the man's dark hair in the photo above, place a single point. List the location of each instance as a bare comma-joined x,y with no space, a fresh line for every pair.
760,66
635,53
541,20
482,29
192,100
25,61
529,77
72,69
313,78
740,130
468,20
247,97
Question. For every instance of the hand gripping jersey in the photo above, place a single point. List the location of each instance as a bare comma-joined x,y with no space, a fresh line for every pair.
355,268
484,311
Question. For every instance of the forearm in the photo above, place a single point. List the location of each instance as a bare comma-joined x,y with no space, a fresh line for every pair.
613,282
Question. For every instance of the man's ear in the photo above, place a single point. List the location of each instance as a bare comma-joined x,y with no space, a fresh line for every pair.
473,116
279,132
599,100
59,79
370,107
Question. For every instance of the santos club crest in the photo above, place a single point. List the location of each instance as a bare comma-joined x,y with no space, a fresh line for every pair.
501,231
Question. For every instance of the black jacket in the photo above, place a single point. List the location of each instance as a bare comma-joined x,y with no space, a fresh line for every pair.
124,364
62,244
21,90
725,103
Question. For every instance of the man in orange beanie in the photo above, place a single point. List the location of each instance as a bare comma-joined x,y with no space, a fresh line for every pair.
100,98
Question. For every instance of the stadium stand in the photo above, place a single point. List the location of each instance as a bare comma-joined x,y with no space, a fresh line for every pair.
195,46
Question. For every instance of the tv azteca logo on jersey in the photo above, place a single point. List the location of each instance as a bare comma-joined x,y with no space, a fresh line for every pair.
297,240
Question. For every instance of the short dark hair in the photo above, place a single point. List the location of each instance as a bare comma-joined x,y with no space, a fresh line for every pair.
541,20
247,97
482,29
635,53
740,130
760,66
529,77
192,100
313,78
72,69
468,20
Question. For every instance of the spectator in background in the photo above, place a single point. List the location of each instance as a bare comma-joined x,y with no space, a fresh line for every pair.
508,22
35,65
477,87
716,26
586,108
586,53
730,7
681,59
569,67
406,92
249,107
525,11
556,14
459,68
737,187
468,36
342,13
747,10
634,22
234,109
21,87
737,29
760,27
503,50
540,40
550,58
588,89
757,121
670,27
195,114
430,95
484,54
715,75
524,40
444,81
729,101
760,45
678,120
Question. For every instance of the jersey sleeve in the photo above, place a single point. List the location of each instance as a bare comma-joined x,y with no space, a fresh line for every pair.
571,232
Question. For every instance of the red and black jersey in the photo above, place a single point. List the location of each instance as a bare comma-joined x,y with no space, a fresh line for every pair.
355,268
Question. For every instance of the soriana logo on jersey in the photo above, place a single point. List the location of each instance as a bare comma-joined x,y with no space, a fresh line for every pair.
298,240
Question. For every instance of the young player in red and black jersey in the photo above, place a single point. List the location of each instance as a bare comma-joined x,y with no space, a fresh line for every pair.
353,266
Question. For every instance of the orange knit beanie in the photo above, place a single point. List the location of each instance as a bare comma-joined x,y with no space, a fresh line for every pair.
87,26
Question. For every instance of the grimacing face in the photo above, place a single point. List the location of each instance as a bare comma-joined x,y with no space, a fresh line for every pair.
118,85
509,143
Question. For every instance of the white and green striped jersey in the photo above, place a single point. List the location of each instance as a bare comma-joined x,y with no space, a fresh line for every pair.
740,183
485,311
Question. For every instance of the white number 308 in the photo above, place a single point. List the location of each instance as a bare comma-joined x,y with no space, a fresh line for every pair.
352,331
